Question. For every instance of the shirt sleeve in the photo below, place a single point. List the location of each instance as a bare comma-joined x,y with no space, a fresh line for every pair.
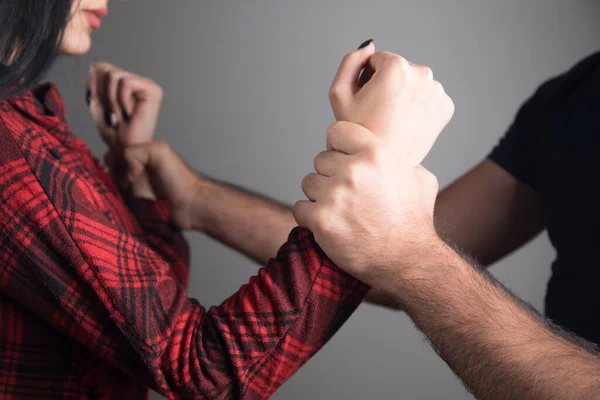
518,152
66,263
161,234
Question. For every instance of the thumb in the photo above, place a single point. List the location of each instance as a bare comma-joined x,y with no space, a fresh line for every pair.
139,158
345,83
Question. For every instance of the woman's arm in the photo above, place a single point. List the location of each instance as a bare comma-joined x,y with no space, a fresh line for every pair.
71,267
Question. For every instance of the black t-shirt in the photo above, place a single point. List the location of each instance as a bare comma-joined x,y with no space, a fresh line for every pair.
553,146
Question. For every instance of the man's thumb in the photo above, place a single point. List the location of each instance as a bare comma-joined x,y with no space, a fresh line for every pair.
139,158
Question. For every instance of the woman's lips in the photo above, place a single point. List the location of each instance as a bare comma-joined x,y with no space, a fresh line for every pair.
94,17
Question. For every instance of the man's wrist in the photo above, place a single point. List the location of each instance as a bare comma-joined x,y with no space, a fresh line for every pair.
142,188
421,272
199,207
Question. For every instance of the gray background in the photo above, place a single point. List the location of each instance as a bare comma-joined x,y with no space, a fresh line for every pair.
246,100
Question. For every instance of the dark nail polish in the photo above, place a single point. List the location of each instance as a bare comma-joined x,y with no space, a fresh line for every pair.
365,44
125,116
88,97
110,119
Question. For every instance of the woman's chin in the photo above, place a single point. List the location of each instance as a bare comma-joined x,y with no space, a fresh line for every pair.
76,46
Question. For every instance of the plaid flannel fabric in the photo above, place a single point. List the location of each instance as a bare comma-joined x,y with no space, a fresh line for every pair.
93,299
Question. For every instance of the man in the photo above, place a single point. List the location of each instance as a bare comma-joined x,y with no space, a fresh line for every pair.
371,209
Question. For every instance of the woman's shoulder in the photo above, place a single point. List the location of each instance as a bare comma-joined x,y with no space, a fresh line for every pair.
21,135
13,128
30,118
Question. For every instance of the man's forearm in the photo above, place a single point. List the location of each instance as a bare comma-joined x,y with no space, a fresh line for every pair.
247,222
252,224
499,346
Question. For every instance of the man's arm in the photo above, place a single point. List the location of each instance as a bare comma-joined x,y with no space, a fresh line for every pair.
496,207
372,213
247,222
250,223
500,346
488,213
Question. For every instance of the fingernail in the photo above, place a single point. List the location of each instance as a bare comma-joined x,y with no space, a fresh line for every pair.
88,97
110,119
365,44
125,116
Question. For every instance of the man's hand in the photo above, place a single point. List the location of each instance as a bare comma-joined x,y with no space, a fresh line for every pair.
371,202
125,108
170,179
247,222
400,103
370,211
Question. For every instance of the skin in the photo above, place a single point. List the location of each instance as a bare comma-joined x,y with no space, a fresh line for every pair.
77,38
374,211
133,101
379,227
378,215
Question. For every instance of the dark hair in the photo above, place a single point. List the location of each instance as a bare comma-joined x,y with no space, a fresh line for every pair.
31,33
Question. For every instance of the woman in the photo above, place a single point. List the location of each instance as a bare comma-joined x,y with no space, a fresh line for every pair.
93,280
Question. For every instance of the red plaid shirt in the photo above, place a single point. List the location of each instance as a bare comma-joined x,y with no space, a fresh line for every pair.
93,301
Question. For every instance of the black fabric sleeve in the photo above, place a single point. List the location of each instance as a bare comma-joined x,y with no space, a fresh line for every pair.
518,152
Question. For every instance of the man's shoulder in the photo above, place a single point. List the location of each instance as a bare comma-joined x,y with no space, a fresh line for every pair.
553,93
580,74
587,66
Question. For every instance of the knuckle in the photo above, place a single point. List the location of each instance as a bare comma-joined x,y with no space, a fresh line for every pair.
451,105
300,213
438,87
426,72
335,93
447,104
337,194
334,130
308,182
322,220
296,208
446,100
352,177
151,85
397,63
430,180
319,159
